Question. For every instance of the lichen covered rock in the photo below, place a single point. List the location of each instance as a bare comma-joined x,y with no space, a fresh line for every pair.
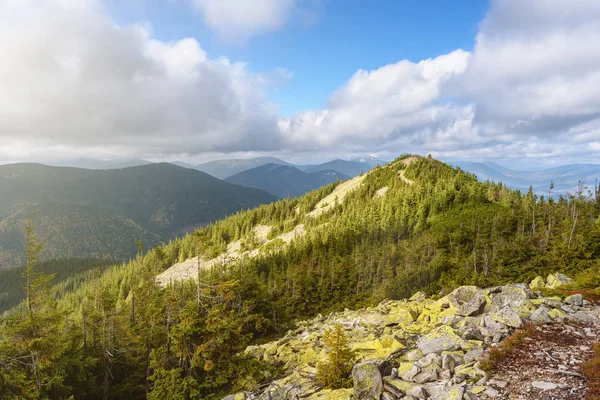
440,339
368,383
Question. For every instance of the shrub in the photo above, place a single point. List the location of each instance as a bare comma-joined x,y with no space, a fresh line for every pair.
591,370
334,371
496,355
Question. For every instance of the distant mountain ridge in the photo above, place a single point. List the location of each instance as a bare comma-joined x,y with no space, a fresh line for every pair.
565,178
285,181
227,168
102,213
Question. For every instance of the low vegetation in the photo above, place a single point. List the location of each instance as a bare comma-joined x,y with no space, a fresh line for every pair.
507,347
121,335
591,370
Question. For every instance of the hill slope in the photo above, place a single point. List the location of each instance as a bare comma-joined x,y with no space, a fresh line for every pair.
415,224
285,181
102,213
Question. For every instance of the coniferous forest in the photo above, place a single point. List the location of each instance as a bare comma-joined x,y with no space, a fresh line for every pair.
120,335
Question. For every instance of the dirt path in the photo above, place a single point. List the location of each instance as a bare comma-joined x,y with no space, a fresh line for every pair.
546,365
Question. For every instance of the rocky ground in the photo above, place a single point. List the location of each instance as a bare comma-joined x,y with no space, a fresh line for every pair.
426,348
546,365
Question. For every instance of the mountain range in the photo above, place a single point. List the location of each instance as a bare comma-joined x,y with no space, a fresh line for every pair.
284,180
565,178
217,312
103,213
225,168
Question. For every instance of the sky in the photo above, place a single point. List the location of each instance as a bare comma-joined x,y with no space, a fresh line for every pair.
511,81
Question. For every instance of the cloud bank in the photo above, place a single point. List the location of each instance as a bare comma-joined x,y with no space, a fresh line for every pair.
79,82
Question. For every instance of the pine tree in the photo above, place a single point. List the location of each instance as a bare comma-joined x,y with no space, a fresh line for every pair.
335,370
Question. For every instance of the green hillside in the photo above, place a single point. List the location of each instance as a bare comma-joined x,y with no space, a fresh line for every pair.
68,274
102,213
415,224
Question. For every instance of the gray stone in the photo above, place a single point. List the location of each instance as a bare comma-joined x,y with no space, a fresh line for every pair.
455,392
513,296
473,355
540,316
368,384
469,333
418,392
387,396
544,385
468,300
584,317
557,280
498,383
470,396
575,300
410,374
491,392
448,362
440,339
428,375
429,359
507,317
414,355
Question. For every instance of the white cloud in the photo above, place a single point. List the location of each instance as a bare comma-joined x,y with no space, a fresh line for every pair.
75,78
239,19
536,66
528,89
375,107
78,82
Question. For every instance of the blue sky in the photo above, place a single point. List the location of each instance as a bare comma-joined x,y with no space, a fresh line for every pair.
324,50
509,81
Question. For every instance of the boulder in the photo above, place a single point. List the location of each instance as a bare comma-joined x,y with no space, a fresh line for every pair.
557,280
398,385
537,284
440,339
427,375
507,317
584,317
414,355
429,359
473,355
418,392
419,296
368,384
468,300
455,392
513,296
575,300
540,316
410,374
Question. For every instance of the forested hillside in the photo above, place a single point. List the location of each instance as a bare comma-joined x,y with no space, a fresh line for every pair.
67,274
415,224
102,213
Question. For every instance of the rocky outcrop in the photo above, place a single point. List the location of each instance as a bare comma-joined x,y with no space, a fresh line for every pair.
421,348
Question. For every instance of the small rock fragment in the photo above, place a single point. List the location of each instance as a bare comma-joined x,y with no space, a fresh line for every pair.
544,385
